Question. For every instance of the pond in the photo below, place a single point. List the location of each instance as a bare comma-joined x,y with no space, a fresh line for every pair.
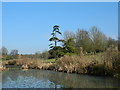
16,78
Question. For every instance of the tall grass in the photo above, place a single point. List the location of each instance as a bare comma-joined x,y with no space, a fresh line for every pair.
112,61
106,63
72,64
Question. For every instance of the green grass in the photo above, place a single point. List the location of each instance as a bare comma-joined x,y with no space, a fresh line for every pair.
97,56
0,58
49,60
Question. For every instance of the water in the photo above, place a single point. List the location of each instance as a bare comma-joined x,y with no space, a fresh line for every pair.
16,78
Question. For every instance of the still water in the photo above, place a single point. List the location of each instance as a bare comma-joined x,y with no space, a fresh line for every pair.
16,78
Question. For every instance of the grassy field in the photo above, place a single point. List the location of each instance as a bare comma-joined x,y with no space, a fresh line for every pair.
49,61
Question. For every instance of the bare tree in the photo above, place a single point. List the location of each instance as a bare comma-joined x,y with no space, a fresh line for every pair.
68,34
112,41
99,40
14,52
4,51
83,40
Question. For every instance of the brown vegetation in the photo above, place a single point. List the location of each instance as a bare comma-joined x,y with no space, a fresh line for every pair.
106,63
2,68
72,64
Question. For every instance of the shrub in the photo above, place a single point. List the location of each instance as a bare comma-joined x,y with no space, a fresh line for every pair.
72,64
12,62
9,57
116,63
96,69
112,60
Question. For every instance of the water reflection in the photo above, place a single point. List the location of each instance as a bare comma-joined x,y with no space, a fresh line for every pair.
50,79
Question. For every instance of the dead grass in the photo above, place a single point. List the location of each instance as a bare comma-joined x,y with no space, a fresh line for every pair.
31,63
72,64
107,63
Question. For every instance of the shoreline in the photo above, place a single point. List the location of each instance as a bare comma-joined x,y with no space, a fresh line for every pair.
99,65
43,68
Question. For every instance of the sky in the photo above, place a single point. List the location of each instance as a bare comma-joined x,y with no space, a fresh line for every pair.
27,26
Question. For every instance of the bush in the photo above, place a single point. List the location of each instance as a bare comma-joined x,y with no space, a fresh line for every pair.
96,69
11,62
112,60
99,69
116,64
56,52
9,57
70,54
111,56
72,64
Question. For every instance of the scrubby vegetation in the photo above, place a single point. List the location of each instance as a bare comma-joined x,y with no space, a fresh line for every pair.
107,63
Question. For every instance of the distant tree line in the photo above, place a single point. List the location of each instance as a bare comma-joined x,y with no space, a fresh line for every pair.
92,41
7,56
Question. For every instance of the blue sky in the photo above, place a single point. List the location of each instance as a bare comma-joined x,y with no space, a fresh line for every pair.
27,25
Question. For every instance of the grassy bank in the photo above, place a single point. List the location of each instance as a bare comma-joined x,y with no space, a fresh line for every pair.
102,64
